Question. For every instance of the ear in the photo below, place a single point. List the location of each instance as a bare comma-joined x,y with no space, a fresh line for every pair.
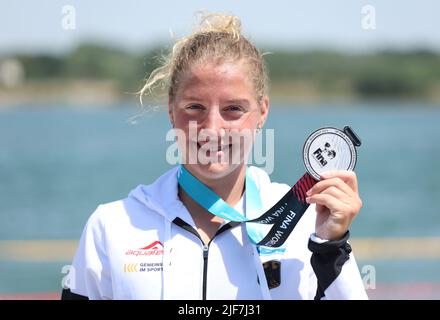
264,106
170,111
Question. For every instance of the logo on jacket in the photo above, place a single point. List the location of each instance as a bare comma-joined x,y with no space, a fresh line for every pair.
143,267
131,267
153,249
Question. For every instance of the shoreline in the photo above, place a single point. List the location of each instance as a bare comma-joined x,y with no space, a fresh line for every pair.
106,93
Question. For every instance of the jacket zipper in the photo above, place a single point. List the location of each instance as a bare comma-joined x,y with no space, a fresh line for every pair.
205,268
205,247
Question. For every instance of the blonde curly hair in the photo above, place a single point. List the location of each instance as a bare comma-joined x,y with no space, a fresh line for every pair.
217,38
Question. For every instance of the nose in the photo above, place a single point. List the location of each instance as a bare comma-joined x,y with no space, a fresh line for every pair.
213,121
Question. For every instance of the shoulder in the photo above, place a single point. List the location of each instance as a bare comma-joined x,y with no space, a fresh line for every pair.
144,207
104,215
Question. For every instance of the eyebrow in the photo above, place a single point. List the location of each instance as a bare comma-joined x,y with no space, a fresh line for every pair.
238,101
193,98
231,101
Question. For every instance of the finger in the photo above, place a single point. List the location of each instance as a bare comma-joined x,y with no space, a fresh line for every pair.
325,200
348,177
337,194
340,201
331,182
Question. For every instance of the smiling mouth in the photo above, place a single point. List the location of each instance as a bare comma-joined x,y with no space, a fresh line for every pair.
223,147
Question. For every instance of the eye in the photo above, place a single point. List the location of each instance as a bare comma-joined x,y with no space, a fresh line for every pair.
234,108
195,106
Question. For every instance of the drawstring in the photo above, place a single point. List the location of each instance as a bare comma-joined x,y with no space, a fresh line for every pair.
257,229
264,288
261,275
166,261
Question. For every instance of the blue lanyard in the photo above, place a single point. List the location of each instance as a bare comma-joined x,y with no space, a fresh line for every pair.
209,200
283,216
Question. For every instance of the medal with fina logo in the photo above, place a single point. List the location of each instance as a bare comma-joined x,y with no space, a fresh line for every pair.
329,149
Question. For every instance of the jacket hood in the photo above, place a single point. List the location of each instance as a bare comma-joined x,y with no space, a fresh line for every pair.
162,196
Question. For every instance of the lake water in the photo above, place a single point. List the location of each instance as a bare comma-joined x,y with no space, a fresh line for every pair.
58,164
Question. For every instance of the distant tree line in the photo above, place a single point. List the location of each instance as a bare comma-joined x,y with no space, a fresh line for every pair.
384,73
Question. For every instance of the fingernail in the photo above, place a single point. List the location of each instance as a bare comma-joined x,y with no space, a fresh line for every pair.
327,174
308,199
324,175
309,192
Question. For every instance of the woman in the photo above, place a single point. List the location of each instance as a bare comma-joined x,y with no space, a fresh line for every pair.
162,243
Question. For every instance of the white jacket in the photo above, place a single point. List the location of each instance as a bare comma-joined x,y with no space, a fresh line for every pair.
132,249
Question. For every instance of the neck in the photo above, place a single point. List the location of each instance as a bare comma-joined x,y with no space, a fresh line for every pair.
230,188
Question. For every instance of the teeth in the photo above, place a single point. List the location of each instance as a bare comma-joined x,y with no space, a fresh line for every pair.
224,147
219,148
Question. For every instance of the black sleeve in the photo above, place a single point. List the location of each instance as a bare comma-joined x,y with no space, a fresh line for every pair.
327,261
69,295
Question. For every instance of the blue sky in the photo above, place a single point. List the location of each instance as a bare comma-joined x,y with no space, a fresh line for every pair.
35,26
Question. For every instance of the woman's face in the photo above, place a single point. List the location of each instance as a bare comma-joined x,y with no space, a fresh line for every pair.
216,111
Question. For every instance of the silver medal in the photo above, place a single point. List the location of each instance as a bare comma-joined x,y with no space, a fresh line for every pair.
329,149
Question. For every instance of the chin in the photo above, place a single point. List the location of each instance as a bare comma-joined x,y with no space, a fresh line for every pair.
219,166
213,170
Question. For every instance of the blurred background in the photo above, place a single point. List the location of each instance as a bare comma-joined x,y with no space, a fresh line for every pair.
69,71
